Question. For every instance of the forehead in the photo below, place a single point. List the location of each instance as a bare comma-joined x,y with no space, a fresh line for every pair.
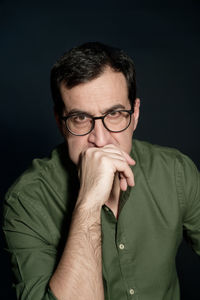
99,94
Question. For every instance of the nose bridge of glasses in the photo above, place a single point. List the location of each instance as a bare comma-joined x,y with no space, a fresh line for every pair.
99,134
101,119
98,118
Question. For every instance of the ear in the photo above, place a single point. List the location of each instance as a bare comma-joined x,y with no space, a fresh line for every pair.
136,112
58,122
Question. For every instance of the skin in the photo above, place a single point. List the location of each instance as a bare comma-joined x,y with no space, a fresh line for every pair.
95,97
104,170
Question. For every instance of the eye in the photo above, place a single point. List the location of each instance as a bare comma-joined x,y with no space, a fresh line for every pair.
80,118
114,114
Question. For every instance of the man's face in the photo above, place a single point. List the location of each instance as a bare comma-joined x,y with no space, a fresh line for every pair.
95,98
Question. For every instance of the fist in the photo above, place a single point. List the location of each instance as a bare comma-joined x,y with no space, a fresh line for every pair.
98,170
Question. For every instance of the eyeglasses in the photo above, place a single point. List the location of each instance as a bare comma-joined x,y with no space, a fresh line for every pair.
82,123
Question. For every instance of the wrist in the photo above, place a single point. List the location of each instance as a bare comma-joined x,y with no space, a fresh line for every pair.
86,215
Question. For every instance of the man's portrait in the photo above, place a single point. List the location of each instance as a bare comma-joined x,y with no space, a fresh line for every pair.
109,208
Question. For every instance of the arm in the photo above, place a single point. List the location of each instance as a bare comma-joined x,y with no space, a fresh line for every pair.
188,183
79,274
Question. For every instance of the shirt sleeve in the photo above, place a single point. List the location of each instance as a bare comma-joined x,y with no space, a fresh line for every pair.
33,257
188,181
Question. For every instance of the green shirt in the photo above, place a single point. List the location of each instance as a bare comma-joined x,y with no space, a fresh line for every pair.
138,249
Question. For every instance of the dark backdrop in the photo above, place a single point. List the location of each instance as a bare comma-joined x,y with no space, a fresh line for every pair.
163,39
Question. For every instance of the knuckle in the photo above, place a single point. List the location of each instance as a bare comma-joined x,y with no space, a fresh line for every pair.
89,152
103,159
96,154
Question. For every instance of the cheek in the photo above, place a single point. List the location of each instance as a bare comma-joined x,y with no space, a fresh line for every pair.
75,146
125,140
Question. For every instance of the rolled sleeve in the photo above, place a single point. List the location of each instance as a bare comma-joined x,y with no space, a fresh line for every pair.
33,257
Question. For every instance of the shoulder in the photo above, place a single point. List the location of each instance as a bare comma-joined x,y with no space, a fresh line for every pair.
149,154
168,169
165,164
42,170
43,186
149,150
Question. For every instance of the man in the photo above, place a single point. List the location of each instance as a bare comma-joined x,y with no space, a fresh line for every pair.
103,217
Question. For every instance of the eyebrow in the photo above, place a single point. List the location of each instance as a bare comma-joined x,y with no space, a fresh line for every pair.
78,111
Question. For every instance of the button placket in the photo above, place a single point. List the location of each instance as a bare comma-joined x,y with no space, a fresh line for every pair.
123,252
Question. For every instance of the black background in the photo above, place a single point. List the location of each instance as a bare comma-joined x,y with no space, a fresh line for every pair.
163,39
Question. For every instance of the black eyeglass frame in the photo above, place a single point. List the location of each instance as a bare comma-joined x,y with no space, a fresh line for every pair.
64,118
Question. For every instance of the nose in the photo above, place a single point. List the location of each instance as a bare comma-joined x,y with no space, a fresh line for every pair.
99,136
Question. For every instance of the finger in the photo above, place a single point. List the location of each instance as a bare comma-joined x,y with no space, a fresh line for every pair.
114,149
131,181
115,156
129,159
128,181
125,171
123,182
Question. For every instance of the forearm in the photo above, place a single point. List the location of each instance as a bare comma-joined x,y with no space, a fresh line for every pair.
79,273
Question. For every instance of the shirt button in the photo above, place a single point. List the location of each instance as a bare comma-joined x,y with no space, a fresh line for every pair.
131,291
121,246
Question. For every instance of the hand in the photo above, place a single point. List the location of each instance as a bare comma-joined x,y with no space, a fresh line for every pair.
98,168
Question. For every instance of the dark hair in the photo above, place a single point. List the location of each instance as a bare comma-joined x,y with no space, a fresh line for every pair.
86,62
